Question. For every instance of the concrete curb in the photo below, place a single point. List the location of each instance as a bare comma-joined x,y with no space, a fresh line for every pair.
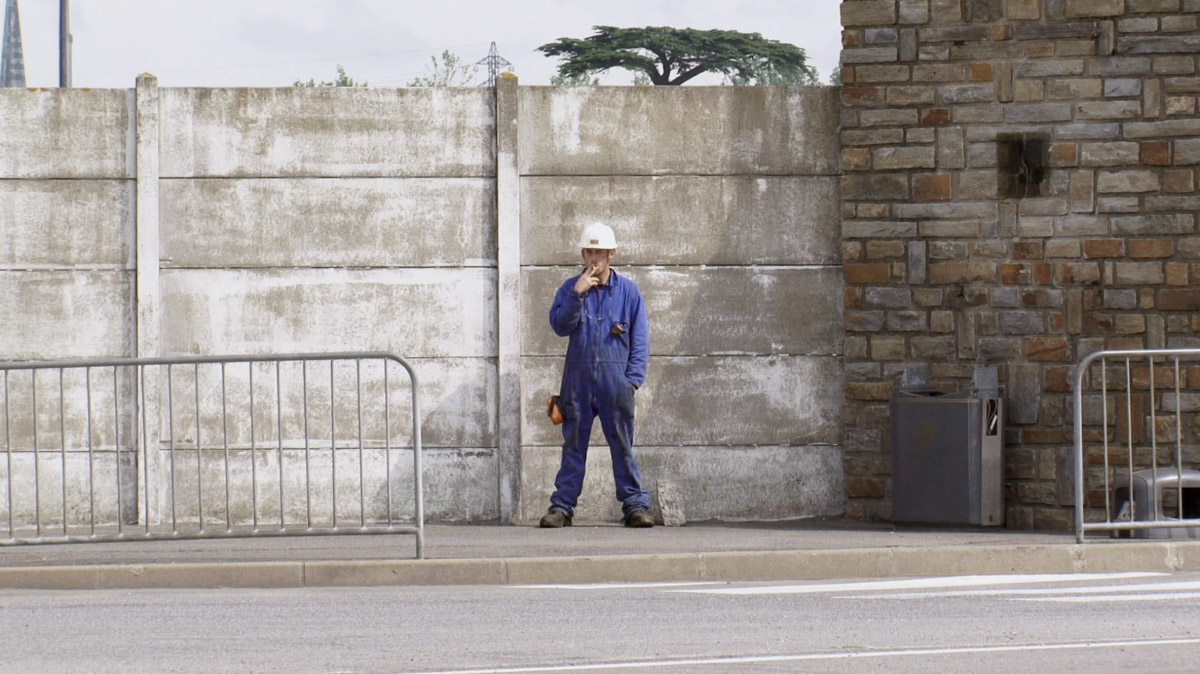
681,567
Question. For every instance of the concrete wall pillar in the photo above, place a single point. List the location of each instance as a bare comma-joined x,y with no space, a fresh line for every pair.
146,217
147,308
508,294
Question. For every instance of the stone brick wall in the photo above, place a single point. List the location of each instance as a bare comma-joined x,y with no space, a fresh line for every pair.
952,259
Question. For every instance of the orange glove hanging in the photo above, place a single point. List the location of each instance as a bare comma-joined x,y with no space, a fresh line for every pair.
553,411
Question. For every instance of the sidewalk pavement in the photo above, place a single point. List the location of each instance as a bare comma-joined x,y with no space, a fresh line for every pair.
600,553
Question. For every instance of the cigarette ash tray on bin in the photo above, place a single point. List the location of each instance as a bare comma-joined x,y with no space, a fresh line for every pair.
947,452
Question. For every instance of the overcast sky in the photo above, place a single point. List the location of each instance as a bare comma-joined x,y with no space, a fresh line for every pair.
384,42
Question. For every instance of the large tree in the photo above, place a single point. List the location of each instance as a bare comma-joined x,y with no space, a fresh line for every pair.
676,55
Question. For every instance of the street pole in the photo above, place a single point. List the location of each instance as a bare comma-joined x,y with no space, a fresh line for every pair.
64,44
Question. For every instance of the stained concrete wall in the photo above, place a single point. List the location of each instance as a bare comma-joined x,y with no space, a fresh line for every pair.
296,220
725,204
66,246
435,224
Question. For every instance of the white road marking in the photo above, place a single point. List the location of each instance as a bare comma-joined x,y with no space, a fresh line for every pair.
801,657
1162,596
616,586
925,583
1036,592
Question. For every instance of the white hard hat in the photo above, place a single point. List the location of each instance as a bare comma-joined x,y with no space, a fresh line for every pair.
598,235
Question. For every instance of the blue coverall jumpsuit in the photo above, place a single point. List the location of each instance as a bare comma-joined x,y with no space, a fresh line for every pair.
606,359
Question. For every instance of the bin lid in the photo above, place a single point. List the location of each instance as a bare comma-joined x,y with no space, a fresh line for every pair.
1167,476
929,393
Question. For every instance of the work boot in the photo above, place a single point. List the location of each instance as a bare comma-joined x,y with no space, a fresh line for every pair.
555,519
639,519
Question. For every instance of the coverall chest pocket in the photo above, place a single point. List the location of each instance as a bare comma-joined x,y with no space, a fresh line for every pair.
616,342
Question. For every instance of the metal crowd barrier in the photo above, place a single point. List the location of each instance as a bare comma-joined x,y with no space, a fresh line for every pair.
1135,399
209,447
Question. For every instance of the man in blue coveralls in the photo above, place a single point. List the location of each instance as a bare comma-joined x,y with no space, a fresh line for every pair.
603,314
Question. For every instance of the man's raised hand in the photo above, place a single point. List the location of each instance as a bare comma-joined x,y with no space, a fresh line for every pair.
587,280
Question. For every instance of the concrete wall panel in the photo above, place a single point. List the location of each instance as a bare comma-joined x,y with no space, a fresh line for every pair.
411,312
785,400
327,132
78,410
457,400
678,130
459,486
38,490
328,222
76,314
700,311
685,219
66,133
66,223
717,483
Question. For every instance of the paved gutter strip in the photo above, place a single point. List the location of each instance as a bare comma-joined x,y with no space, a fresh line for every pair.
604,569
1165,556
772,565
50,578
405,572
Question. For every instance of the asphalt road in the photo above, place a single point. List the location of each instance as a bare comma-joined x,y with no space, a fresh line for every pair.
1076,623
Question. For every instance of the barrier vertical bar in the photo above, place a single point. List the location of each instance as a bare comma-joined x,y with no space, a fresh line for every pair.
62,444
37,478
87,375
418,482
362,483
1104,417
1129,433
8,456
1153,440
199,446
333,445
307,473
225,444
387,438
279,438
253,454
117,449
1178,443
171,441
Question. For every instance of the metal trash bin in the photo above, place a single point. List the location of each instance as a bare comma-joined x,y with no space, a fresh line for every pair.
1152,489
947,463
